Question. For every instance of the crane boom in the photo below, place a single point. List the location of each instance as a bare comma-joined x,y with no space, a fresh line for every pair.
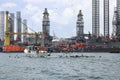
7,36
7,33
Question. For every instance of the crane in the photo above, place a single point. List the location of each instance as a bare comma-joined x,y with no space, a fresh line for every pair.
7,33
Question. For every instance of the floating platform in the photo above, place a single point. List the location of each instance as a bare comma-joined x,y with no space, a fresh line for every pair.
13,48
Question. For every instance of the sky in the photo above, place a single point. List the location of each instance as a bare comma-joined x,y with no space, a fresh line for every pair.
62,14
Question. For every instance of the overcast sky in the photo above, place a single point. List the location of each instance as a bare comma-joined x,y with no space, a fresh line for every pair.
63,14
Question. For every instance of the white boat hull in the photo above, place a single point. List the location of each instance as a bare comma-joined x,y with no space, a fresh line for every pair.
36,53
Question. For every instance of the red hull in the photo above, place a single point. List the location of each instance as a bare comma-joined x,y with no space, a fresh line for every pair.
13,48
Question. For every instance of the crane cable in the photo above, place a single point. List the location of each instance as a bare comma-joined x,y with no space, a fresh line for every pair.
25,25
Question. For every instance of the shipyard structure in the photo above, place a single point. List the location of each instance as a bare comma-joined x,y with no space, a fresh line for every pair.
11,39
94,42
82,42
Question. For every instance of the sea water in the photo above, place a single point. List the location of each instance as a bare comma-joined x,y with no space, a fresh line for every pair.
96,66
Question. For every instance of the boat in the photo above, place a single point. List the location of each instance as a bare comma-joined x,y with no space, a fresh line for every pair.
33,51
115,51
1,49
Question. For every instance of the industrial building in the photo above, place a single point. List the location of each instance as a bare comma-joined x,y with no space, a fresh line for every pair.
106,18
95,17
2,25
80,25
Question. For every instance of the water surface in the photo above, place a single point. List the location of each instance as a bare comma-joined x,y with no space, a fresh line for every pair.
101,66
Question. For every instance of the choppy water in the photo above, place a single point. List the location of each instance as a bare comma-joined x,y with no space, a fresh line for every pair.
16,66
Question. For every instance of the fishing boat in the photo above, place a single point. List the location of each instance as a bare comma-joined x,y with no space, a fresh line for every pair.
33,51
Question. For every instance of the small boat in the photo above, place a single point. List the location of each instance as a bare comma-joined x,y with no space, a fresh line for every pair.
1,49
114,52
33,51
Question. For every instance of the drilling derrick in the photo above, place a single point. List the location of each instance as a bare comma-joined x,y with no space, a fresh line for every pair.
46,28
80,25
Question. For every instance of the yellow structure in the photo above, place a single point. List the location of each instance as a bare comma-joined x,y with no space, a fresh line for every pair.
8,33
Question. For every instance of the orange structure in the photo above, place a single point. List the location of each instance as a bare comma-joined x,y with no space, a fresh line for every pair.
13,48
42,48
80,45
